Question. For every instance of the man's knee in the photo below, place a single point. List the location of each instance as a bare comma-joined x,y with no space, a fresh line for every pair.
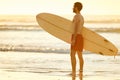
72,52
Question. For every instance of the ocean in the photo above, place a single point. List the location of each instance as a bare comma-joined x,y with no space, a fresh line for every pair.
26,47
22,33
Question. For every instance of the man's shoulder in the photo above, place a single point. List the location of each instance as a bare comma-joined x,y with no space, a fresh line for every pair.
77,16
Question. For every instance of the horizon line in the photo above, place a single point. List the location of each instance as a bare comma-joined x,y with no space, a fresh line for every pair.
61,14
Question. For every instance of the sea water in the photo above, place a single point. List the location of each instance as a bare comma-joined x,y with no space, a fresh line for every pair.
41,41
22,33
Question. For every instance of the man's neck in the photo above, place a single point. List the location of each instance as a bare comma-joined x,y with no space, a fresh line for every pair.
77,12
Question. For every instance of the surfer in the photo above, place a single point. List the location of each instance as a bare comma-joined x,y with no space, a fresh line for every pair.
77,40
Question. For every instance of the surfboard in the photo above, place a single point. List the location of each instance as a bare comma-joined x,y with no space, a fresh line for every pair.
61,28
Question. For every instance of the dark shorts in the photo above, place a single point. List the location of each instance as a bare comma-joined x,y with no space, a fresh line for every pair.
78,46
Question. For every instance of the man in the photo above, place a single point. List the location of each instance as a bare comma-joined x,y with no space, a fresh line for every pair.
77,40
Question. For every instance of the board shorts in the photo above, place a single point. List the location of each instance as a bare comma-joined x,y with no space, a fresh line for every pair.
78,46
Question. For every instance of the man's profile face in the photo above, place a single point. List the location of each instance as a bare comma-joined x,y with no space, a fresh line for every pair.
74,9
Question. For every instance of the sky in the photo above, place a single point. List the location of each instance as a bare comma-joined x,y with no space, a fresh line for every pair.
90,7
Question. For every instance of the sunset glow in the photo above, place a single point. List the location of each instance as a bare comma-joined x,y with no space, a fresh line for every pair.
110,7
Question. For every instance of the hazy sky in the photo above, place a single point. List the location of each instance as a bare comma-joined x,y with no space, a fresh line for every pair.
59,6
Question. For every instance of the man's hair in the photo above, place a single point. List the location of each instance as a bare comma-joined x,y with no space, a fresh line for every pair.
78,5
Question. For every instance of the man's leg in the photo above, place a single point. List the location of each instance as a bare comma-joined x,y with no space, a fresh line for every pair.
73,63
81,63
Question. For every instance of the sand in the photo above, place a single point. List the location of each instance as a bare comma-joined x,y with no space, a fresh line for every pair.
33,76
40,66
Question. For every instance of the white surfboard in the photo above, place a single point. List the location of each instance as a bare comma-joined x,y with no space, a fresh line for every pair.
61,28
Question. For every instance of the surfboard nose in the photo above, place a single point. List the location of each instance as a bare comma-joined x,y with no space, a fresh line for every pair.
37,16
40,15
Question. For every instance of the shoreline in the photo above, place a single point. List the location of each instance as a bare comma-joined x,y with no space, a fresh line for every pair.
40,66
32,76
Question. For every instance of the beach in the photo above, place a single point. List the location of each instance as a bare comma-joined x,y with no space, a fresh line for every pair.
27,52
40,66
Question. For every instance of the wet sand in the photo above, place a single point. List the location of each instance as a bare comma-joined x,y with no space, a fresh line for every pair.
33,76
52,66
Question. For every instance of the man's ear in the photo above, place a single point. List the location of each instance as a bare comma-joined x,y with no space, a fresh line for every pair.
76,8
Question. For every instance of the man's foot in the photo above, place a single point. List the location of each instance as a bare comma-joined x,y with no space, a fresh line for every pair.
73,75
81,75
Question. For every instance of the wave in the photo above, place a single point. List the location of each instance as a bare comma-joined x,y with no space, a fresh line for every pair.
30,48
20,27
96,28
116,30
